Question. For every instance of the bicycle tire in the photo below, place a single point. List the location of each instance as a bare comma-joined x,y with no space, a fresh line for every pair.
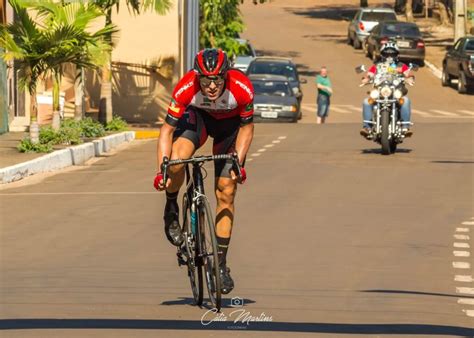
194,263
209,253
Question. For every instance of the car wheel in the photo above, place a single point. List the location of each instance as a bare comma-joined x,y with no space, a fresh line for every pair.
462,86
356,43
445,78
421,63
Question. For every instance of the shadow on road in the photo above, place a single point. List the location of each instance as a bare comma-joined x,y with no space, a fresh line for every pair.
304,70
226,302
339,12
163,324
415,293
278,53
454,162
378,151
337,38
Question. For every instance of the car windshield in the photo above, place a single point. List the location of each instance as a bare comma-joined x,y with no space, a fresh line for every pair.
271,88
378,16
401,30
470,46
274,68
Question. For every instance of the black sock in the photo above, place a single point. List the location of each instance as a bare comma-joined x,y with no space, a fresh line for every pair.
172,202
222,246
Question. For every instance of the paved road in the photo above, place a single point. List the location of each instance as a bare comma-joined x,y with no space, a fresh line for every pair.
331,238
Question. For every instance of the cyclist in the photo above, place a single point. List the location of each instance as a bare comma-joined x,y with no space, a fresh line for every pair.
389,53
211,99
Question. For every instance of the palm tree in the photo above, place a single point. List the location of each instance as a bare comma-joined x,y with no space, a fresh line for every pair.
70,41
134,6
25,42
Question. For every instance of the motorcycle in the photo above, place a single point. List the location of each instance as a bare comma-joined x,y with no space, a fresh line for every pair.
386,97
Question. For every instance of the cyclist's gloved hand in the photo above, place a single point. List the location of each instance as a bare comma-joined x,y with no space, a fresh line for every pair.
158,182
242,178
243,175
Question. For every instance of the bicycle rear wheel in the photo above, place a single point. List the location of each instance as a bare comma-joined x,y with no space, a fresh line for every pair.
194,262
209,253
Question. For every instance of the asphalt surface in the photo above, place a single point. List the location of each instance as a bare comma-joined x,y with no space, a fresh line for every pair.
331,238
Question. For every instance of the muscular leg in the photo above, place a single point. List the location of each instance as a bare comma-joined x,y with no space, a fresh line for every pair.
182,149
226,189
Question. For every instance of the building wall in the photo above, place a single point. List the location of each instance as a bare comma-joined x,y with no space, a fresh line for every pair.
3,97
145,64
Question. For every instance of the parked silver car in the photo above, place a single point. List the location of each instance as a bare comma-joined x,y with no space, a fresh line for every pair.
364,20
242,61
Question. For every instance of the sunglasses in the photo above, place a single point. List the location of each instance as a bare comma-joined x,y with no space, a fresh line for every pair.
206,81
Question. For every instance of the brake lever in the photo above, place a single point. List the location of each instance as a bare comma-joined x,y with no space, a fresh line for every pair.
236,165
164,170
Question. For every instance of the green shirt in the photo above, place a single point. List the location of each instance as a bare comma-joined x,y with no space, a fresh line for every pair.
325,82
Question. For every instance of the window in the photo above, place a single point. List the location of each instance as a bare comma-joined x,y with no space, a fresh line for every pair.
470,46
271,88
275,68
401,30
356,15
378,16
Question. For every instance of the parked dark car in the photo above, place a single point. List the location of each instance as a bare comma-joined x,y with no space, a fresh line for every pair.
364,20
407,36
458,64
279,66
274,100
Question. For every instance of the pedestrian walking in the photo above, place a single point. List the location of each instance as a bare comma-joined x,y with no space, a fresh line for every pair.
323,83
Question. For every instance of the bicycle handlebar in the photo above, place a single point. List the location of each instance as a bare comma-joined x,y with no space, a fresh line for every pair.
200,159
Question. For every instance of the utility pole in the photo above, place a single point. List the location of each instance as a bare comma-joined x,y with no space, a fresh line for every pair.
460,8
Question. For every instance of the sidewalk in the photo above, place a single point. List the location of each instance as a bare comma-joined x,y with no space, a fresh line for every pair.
15,165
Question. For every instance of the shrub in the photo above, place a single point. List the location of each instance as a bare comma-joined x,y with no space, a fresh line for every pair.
48,135
117,124
91,128
70,133
26,146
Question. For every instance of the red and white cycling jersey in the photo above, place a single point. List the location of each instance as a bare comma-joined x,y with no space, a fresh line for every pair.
236,100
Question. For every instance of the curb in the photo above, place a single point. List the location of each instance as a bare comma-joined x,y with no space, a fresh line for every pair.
435,70
63,158
146,134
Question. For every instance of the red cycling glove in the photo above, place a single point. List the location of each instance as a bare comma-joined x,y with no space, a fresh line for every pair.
157,181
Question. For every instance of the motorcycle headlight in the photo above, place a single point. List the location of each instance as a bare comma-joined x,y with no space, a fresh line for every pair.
374,94
386,91
396,82
397,93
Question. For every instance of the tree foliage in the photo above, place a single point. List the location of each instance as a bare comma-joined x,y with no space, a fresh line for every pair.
220,23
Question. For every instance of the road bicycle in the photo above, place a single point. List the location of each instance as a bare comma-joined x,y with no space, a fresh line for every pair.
199,250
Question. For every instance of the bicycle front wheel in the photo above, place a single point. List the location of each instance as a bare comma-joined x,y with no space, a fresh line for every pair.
209,253
194,262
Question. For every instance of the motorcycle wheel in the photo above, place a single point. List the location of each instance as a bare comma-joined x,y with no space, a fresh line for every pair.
384,139
393,147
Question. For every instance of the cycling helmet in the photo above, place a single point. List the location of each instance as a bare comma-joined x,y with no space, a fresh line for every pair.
211,62
389,49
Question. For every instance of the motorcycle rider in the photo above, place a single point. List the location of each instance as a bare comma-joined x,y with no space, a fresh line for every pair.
389,53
